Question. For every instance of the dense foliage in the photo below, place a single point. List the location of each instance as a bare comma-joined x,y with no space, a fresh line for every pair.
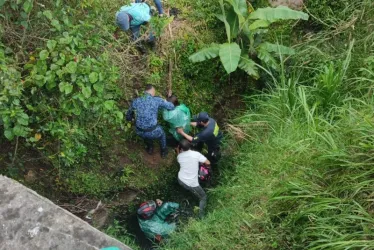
301,175
245,37
297,168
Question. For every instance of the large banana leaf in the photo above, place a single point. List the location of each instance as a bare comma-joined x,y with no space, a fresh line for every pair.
222,17
277,48
248,66
259,24
241,9
279,13
230,56
206,53
233,20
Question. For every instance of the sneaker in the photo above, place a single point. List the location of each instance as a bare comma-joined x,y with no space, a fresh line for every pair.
164,153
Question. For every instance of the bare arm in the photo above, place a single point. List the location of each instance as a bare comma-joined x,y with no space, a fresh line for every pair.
181,132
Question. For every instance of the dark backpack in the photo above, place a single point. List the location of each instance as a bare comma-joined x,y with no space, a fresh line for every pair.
147,209
204,173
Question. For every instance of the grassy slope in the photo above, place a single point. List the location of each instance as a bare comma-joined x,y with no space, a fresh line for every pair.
303,178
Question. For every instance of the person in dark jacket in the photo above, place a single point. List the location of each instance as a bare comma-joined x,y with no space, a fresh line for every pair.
210,135
145,109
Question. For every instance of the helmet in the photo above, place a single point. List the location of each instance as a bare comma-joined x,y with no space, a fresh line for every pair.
147,209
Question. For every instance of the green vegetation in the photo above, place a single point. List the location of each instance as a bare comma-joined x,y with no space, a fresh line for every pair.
66,83
297,167
247,29
301,172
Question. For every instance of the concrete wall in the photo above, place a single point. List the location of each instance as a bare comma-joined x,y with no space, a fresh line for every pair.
30,221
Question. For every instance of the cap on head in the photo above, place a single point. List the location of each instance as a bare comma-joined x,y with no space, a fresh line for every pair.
202,117
123,20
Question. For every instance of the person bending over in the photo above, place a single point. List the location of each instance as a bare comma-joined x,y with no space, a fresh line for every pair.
189,170
180,117
210,134
145,109
133,16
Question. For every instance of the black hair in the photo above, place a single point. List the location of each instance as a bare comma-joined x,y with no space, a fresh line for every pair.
173,99
185,145
148,87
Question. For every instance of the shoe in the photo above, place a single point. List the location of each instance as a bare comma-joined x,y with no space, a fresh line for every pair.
149,150
164,153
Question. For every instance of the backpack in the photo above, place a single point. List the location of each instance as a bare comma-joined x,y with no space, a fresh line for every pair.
204,173
147,209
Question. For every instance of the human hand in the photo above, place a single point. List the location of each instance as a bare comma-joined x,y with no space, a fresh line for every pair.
159,202
193,124
180,130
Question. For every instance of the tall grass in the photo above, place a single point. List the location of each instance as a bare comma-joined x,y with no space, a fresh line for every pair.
304,177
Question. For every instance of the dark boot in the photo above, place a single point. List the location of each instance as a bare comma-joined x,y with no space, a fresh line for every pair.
149,150
149,146
164,153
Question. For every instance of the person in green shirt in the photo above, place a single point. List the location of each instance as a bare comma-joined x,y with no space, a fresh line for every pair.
180,117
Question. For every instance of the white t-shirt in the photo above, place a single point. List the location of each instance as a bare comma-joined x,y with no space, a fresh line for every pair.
189,167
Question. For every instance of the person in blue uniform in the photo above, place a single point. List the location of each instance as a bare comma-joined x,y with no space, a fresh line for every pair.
210,135
145,109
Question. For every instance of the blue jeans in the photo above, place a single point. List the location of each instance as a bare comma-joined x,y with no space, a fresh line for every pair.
156,134
199,193
157,3
136,33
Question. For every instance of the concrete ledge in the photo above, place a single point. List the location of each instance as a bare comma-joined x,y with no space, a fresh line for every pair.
30,221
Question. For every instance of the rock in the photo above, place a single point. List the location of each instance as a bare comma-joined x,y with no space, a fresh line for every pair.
30,177
293,4
100,217
127,196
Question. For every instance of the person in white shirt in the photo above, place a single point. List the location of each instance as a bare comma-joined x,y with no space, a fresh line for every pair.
189,172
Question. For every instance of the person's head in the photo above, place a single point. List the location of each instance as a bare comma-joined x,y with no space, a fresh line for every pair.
184,145
123,20
150,89
173,99
202,118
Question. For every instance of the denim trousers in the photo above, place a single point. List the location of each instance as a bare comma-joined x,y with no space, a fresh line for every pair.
156,134
135,30
199,193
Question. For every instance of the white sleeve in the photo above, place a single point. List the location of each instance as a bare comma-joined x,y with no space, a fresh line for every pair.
202,158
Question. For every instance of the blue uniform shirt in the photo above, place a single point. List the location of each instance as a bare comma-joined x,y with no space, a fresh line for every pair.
146,108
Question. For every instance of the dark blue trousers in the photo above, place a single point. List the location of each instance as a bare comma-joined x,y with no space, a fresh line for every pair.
156,134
